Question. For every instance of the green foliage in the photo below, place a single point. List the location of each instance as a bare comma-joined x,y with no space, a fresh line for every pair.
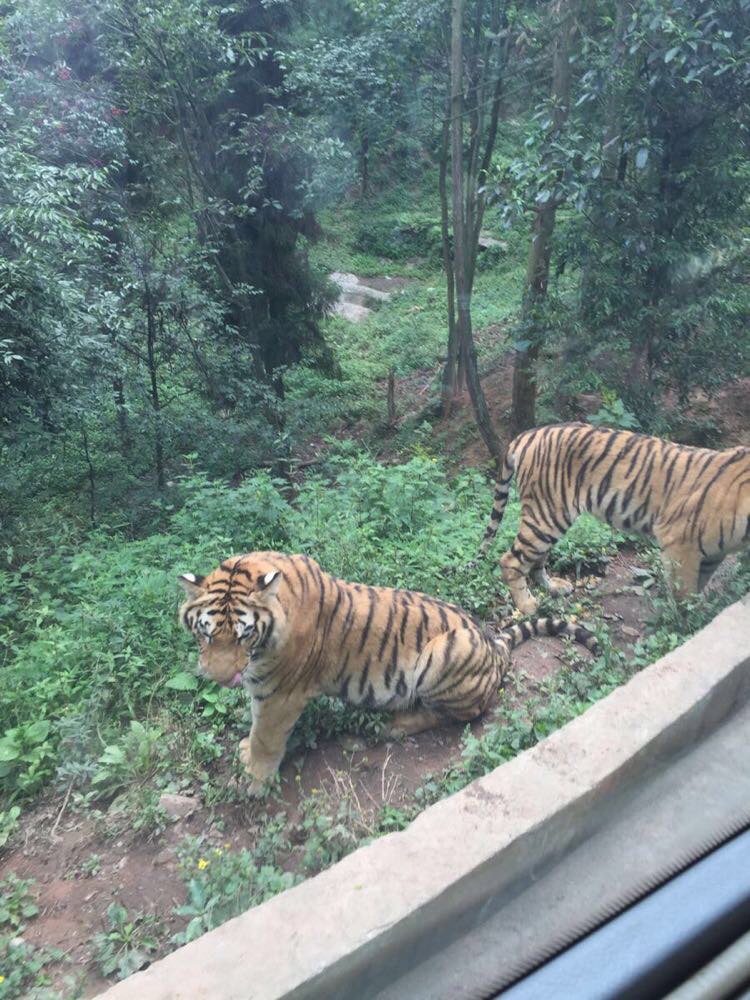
614,413
132,759
125,945
23,969
91,867
327,837
26,760
22,966
324,718
221,884
8,823
17,904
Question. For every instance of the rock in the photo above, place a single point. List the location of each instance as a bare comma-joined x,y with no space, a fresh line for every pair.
177,807
356,296
164,857
632,632
486,241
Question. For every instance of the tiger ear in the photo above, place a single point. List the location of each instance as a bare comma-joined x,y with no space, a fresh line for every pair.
191,584
269,583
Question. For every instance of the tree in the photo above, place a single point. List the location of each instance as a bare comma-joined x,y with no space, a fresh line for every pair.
523,413
486,58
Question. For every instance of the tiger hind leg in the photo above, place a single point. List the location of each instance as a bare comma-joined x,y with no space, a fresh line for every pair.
707,569
682,563
408,723
526,558
458,674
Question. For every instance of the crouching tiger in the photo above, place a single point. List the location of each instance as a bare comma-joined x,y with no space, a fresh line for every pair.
694,501
287,631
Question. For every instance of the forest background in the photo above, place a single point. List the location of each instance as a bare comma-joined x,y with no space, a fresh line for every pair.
548,204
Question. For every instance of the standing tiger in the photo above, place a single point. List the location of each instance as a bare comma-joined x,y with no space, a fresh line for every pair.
694,501
287,631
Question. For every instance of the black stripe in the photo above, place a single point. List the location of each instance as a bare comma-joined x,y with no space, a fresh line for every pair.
371,596
404,623
386,631
363,676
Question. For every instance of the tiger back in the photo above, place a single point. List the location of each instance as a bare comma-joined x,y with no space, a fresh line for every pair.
287,631
694,501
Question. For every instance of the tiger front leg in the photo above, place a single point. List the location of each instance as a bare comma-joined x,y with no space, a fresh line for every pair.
515,575
263,750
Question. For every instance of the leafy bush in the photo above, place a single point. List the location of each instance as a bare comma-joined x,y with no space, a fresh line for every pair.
17,904
614,413
124,947
133,758
26,757
399,237
221,884
23,968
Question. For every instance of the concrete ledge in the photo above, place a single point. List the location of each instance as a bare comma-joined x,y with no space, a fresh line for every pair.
354,928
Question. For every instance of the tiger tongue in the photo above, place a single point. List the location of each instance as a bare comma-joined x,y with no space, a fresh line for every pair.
236,681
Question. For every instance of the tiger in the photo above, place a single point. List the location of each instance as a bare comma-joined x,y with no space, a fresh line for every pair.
694,501
286,630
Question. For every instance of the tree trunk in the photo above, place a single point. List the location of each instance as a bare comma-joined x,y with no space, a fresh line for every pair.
155,400
449,389
365,163
540,250
391,398
91,476
461,249
118,389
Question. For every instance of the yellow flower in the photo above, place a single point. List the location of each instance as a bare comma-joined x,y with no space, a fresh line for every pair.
227,846
2,979
202,863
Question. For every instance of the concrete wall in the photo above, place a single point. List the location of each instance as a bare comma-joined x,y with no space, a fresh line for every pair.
350,930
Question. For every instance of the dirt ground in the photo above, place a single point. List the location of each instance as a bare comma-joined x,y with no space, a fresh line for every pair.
55,842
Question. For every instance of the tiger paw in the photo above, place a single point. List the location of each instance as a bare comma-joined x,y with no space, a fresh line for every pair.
525,603
255,789
245,755
559,587
240,788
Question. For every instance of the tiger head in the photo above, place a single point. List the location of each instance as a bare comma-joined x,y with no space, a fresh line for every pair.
233,614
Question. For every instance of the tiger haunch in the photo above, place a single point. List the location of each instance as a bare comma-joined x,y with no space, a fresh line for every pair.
694,501
288,631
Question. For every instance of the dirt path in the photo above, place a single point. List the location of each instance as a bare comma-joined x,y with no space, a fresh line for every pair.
80,871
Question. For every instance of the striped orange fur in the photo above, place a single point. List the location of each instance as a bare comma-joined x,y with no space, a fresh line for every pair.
288,631
694,501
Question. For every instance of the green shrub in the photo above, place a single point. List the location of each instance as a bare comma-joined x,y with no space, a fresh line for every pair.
221,884
125,945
